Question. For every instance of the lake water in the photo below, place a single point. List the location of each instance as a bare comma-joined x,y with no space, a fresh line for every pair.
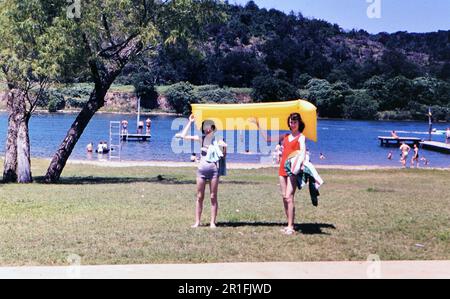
343,142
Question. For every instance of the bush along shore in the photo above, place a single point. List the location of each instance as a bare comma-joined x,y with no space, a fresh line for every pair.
336,100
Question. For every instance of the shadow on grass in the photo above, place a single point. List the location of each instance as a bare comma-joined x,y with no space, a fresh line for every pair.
303,228
90,180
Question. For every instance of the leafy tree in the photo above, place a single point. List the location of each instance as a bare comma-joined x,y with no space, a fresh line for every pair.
180,96
114,32
399,91
214,94
269,89
302,80
360,105
32,50
145,90
395,63
329,98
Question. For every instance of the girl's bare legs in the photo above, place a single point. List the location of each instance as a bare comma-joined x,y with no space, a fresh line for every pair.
214,187
290,192
283,186
201,183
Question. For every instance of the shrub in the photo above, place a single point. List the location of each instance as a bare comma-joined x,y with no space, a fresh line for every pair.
180,96
269,89
146,91
215,95
56,103
360,105
76,103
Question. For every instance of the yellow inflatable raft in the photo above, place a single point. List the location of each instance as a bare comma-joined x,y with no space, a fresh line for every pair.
271,116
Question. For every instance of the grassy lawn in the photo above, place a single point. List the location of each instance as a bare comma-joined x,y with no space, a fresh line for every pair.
143,215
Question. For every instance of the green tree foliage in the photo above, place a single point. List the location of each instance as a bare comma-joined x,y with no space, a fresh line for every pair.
32,51
180,96
145,90
270,89
215,94
115,32
257,43
329,98
360,105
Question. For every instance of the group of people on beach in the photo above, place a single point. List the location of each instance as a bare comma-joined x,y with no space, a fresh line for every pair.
212,166
405,150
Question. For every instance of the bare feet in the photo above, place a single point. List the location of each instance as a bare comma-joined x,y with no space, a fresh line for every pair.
213,225
195,225
289,231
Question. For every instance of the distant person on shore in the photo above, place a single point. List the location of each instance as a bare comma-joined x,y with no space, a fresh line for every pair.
390,155
447,136
404,149
277,154
124,127
148,124
394,135
415,158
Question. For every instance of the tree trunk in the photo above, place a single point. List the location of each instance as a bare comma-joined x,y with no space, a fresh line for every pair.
104,71
10,163
96,101
23,146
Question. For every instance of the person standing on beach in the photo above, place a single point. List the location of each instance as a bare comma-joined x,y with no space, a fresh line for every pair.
212,151
404,149
295,141
447,136
415,158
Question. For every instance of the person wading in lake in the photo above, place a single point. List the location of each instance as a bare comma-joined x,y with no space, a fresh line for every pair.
404,149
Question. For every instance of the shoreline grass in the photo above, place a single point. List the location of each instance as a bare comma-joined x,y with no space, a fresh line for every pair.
142,215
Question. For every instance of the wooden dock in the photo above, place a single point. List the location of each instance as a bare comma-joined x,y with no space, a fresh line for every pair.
436,146
135,137
391,141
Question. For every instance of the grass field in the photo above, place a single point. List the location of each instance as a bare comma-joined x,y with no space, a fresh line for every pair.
143,215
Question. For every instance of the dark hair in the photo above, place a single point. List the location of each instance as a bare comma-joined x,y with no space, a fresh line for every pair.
213,126
296,117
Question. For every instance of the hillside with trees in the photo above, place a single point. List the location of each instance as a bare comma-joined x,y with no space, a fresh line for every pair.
278,56
347,74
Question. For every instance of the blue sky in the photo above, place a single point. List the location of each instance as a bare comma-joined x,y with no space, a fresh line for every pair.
396,15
